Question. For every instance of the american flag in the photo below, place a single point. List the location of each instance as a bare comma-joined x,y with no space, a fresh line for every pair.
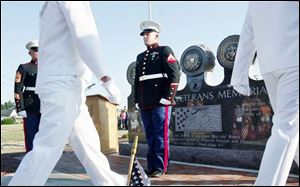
138,175
199,118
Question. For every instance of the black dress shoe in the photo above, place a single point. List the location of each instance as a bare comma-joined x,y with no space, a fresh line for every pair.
157,174
149,172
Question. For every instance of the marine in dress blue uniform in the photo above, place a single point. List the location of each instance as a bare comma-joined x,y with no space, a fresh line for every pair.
27,102
156,82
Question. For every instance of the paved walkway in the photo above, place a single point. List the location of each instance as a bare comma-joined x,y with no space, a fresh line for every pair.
69,172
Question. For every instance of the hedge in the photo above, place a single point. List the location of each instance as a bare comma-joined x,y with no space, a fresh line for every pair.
8,121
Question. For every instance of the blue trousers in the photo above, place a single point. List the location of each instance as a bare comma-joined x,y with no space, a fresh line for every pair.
31,127
156,122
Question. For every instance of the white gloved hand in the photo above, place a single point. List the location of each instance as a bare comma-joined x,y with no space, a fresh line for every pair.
22,113
113,91
137,106
164,101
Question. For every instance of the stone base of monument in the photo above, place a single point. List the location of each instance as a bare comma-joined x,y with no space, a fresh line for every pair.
247,159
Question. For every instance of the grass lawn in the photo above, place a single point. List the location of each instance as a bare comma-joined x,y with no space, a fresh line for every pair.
12,133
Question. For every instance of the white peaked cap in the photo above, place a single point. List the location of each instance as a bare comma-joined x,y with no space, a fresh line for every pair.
32,43
148,26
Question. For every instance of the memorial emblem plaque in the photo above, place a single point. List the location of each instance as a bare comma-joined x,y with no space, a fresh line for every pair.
131,73
192,61
197,59
227,50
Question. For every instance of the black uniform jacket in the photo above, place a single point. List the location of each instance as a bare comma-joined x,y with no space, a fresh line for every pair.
157,76
24,87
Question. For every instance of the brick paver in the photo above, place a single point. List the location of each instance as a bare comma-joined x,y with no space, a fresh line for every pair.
70,172
179,173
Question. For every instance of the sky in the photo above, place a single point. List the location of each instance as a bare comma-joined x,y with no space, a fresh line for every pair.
183,23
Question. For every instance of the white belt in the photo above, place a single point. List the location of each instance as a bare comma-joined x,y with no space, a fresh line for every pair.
30,88
153,76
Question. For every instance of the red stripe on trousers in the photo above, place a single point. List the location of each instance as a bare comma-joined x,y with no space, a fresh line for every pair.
166,138
24,126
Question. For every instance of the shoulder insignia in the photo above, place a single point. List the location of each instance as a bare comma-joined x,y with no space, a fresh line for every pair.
171,59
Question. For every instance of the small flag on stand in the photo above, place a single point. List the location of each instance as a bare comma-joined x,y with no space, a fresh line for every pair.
136,173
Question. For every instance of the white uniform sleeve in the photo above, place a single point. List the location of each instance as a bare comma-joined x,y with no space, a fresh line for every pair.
84,32
243,59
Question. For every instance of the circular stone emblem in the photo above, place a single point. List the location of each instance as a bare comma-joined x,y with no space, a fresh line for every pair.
227,51
196,59
131,73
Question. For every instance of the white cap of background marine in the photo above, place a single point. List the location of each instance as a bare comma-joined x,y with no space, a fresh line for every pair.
150,26
32,43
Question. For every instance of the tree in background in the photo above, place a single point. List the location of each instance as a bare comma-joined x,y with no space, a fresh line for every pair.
7,105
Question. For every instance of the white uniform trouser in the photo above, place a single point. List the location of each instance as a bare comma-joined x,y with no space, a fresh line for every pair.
64,115
283,144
